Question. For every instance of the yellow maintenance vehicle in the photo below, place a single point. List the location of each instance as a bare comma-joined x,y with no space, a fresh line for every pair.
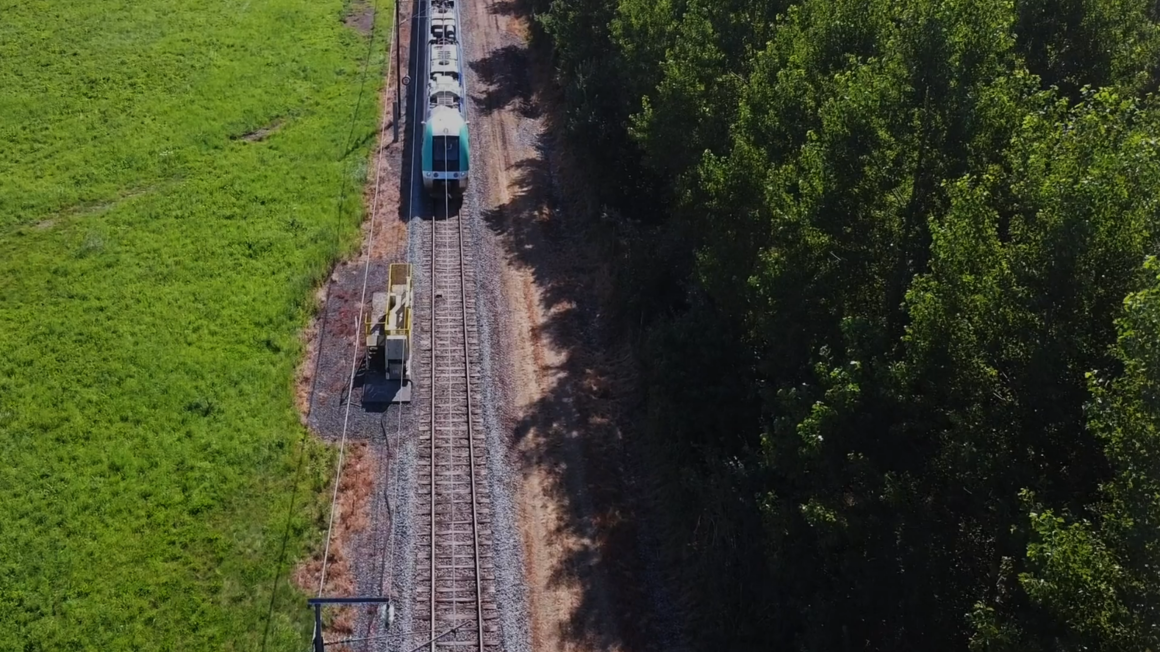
387,333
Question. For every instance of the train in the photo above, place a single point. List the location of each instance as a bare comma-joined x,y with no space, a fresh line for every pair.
446,151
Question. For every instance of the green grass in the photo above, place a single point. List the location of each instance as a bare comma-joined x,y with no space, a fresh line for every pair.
155,270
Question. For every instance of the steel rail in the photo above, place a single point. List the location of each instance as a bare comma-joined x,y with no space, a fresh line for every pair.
434,347
470,427
437,242
445,254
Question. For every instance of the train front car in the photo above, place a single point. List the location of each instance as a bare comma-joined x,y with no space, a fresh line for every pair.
446,160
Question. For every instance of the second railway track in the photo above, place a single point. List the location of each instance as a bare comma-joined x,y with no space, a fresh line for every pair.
454,602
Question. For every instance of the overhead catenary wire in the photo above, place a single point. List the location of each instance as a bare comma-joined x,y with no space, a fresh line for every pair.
341,200
368,251
353,372
386,571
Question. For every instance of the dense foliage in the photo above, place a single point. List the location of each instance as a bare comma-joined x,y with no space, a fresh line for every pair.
169,172
902,324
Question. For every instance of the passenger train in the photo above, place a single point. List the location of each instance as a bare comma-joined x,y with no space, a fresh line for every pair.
446,155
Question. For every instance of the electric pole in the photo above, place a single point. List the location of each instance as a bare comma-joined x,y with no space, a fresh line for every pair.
398,71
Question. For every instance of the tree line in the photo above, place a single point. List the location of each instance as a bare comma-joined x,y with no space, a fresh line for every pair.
899,310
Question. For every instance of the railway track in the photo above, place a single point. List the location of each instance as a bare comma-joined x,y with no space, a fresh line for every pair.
454,602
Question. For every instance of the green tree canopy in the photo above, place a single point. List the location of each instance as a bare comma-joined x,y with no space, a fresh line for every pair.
904,231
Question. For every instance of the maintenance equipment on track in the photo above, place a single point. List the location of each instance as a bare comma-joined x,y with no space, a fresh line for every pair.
388,340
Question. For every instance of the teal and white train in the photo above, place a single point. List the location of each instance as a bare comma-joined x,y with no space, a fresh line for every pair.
446,157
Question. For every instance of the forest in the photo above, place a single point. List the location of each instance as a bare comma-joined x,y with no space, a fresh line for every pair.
890,270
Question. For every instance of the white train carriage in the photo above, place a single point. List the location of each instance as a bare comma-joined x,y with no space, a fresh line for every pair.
446,153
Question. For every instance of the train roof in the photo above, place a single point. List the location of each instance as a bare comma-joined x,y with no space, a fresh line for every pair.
444,121
445,84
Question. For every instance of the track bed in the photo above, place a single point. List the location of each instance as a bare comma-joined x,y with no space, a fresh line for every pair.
454,572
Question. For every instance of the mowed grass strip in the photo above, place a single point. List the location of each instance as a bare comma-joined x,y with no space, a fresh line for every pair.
169,196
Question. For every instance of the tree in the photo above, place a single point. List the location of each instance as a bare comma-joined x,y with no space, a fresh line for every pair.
897,235
1092,576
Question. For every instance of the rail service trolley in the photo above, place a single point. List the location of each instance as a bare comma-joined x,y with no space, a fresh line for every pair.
387,332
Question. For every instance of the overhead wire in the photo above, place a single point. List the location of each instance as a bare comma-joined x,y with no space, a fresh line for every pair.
415,155
368,254
341,199
386,568
389,548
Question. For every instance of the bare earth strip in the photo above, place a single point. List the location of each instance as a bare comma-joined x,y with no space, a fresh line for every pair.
589,580
359,552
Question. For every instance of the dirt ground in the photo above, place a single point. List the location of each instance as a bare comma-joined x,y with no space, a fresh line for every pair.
351,518
389,239
564,384
587,585
321,381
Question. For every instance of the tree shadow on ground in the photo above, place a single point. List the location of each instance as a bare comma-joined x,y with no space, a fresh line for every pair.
504,73
505,8
583,416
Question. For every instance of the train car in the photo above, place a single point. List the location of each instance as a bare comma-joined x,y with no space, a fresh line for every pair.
446,156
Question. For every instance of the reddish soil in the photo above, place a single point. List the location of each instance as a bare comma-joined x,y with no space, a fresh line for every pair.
351,509
337,303
381,194
389,240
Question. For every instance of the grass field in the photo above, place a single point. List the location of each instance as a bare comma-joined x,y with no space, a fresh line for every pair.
156,259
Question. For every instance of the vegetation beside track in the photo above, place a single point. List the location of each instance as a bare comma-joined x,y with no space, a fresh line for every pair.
170,174
891,272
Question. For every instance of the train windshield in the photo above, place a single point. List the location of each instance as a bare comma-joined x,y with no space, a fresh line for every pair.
445,153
